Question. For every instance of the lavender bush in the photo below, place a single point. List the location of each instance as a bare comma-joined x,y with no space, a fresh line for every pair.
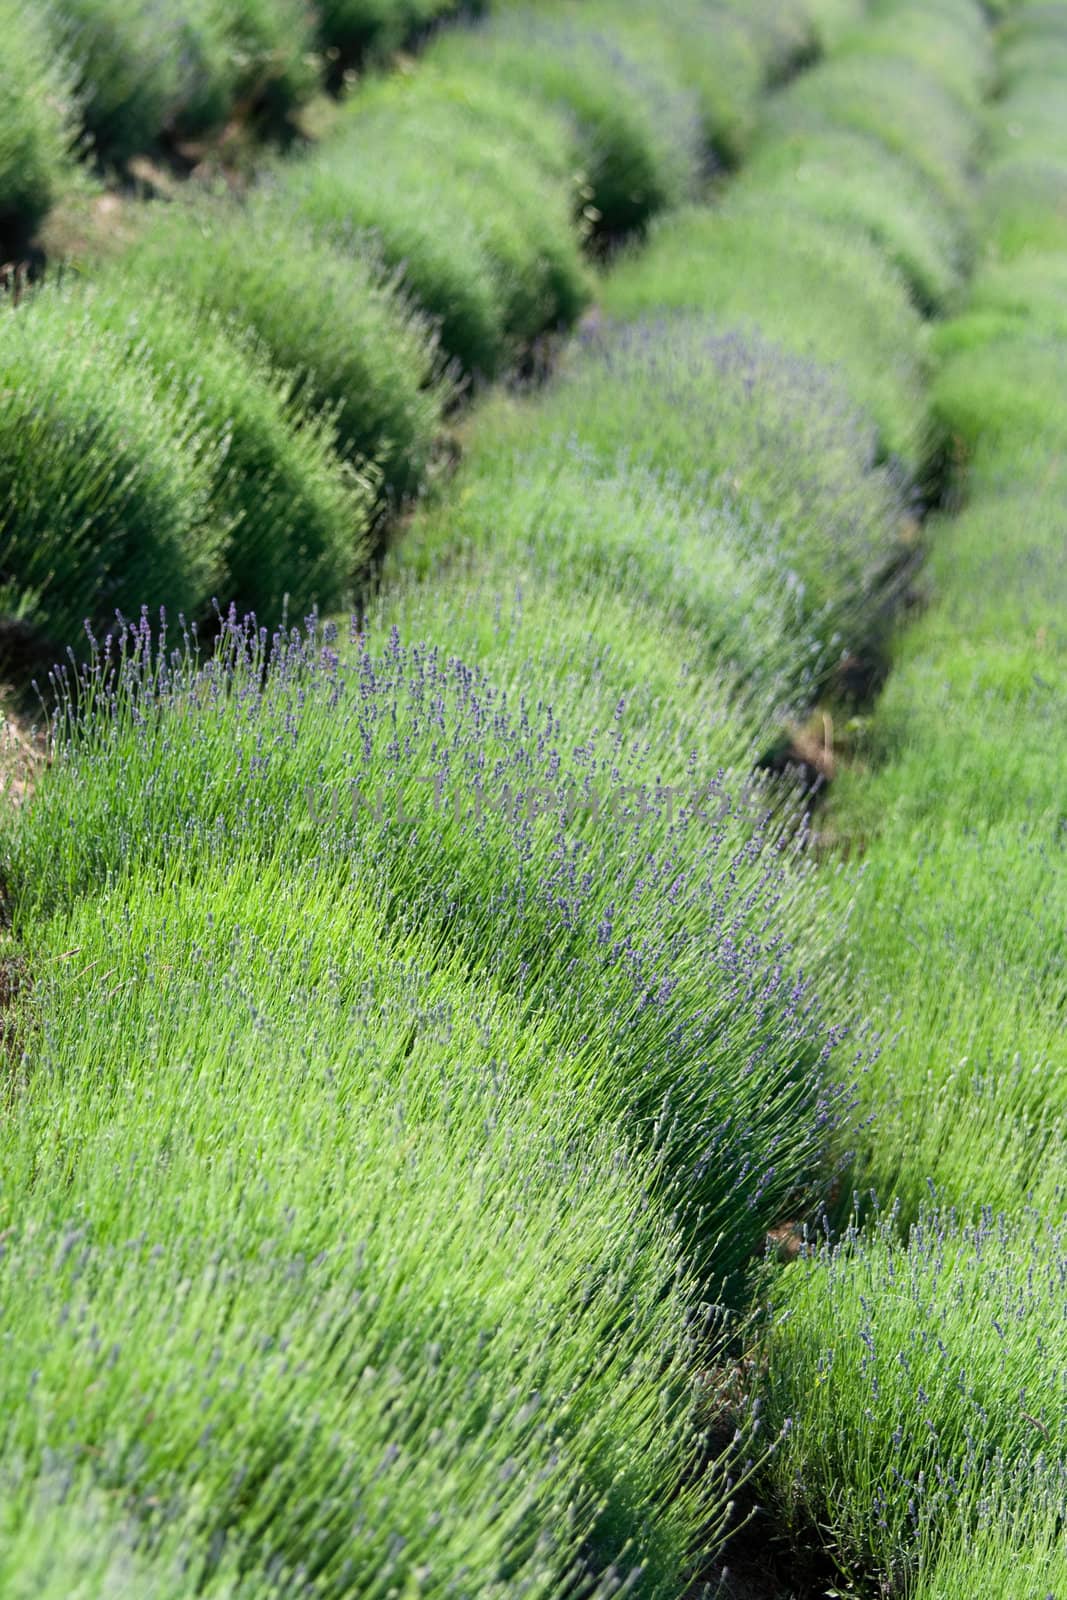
923,1385
780,469
652,925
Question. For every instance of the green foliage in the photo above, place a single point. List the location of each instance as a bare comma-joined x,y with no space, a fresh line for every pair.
1032,122
1025,207
1026,295
144,75
297,515
924,1388
950,48
894,102
638,129
355,29
136,68
853,182
1037,21
552,511
968,1096
392,205
715,56
36,119
106,483
270,44
1014,1552
546,609
363,963
819,290
697,1042
832,21
324,314
782,520
485,240
1034,57
783,31
334,1339
492,109
62,1537
1001,395
954,931
589,1057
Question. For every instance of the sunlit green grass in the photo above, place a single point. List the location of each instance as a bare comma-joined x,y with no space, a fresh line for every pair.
720,56
920,1361
1002,397
456,84
955,944
784,34
524,614
1029,292
1032,124
956,928
681,560
604,911
1025,205
1014,1551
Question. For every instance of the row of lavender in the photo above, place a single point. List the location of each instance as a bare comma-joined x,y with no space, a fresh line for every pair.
923,1362
237,403
420,1048
117,79
370,1097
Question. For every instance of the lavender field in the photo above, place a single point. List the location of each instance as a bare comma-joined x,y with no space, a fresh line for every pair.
534,853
